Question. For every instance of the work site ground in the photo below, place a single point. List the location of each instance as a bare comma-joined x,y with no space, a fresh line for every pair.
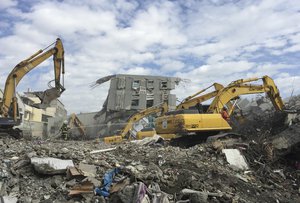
258,162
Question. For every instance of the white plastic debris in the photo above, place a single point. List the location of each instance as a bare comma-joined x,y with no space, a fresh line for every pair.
235,159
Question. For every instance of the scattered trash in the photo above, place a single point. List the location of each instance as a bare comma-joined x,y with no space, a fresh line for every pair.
82,188
107,182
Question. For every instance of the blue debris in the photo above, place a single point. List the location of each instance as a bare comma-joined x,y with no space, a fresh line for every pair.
107,182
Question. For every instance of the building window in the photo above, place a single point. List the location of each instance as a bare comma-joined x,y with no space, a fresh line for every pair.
135,93
121,83
149,103
150,84
164,85
135,84
135,102
143,90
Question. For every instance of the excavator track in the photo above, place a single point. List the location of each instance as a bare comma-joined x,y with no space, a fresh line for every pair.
187,141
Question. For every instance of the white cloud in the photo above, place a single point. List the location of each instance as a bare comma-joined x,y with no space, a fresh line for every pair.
7,3
203,41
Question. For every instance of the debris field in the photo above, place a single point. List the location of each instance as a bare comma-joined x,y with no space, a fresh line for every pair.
247,165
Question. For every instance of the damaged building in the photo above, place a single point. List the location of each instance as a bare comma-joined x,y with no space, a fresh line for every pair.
131,93
37,122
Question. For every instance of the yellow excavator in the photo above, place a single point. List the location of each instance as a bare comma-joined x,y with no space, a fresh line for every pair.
186,103
211,120
197,98
125,132
9,115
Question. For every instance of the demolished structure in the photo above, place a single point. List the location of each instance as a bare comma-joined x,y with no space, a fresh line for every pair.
39,123
148,170
257,162
129,94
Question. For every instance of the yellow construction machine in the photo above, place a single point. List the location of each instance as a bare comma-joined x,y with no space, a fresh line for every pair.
211,120
196,99
75,123
186,103
125,132
9,115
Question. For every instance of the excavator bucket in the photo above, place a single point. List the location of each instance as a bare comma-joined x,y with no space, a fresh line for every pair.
47,96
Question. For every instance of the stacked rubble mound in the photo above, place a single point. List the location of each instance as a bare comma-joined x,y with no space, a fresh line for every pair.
234,168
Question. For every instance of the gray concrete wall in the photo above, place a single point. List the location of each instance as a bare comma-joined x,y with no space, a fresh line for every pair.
133,91
90,124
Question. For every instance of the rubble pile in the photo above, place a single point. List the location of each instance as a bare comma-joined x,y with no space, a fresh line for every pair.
69,171
258,165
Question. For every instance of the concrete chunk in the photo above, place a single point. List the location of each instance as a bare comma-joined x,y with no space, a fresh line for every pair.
235,158
50,166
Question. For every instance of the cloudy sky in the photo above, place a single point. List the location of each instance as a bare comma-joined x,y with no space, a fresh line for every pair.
202,41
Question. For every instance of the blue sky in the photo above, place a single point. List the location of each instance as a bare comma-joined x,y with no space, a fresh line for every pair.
200,41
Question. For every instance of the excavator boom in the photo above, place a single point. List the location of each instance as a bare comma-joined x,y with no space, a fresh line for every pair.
21,69
193,101
133,119
9,100
241,87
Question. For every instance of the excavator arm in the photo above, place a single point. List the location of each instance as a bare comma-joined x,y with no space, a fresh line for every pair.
133,119
21,69
242,87
193,100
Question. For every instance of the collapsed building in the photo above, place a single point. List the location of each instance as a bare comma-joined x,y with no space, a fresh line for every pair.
129,94
39,122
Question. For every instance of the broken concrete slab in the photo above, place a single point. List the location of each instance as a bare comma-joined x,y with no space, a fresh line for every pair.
50,166
73,172
8,199
87,169
235,159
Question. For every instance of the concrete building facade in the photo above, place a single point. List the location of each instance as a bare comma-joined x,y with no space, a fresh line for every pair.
131,93
137,92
